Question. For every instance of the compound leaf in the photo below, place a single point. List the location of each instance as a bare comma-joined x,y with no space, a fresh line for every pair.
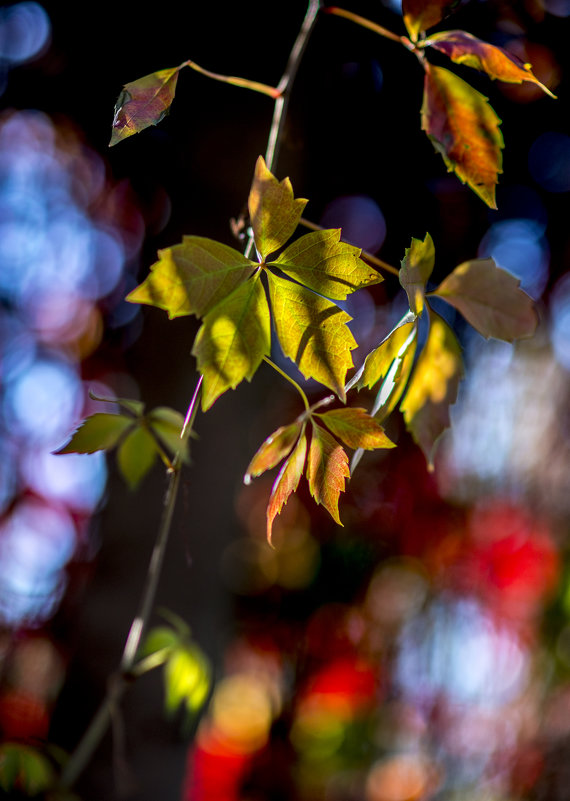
273,450
356,428
464,129
419,15
233,339
136,455
312,332
416,268
322,262
99,432
287,481
273,211
143,102
433,386
463,48
327,469
378,361
190,278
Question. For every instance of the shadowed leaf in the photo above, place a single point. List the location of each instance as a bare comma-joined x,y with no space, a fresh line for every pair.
417,266
136,455
143,102
378,361
286,482
464,129
419,15
327,469
99,432
356,428
490,298
135,407
322,262
25,770
273,450
190,278
273,211
167,425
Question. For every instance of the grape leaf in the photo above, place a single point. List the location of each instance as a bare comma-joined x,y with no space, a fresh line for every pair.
273,211
99,432
464,129
356,428
167,424
287,481
136,455
379,360
417,266
190,278
312,332
233,339
143,102
327,469
322,262
490,298
463,48
433,386
273,450
419,15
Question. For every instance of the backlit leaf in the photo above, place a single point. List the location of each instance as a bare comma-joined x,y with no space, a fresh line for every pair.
233,339
491,299
273,450
25,770
379,361
143,102
190,278
322,262
464,129
419,15
356,428
286,482
433,386
186,678
312,332
417,266
327,469
273,211
160,638
136,456
167,425
99,432
463,48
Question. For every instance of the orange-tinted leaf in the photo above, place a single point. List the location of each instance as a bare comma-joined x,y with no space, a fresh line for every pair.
464,129
286,482
417,266
419,15
463,48
143,102
490,298
273,450
327,469
356,428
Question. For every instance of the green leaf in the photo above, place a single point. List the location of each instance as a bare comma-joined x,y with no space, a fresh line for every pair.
327,469
433,386
419,15
379,361
187,679
190,278
464,129
273,450
143,102
25,769
287,481
273,211
356,428
490,298
312,332
234,338
416,268
160,638
136,456
99,432
322,262
167,424
135,407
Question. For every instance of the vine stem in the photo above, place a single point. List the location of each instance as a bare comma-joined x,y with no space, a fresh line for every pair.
244,83
291,380
366,23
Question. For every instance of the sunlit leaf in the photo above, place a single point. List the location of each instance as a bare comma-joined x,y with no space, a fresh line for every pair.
233,340
273,211
143,102
273,450
190,278
378,361
167,425
312,332
327,469
433,386
136,455
322,262
287,481
356,428
463,48
464,129
419,15
187,679
99,432
417,266
490,298
24,769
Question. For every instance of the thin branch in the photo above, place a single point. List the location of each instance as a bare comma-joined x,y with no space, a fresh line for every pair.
366,23
244,83
291,380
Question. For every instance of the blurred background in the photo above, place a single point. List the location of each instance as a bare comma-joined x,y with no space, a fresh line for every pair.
422,650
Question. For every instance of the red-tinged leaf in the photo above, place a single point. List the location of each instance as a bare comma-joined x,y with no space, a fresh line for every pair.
419,15
275,448
327,469
286,482
190,278
99,432
356,428
273,211
433,386
143,103
463,48
464,129
136,455
379,361
490,298
417,266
